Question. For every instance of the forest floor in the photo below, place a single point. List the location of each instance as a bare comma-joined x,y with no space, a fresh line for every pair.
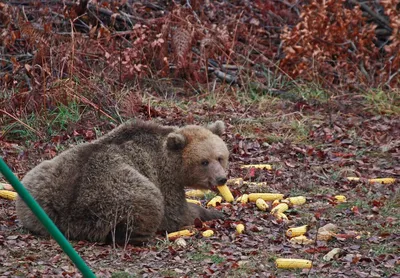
312,149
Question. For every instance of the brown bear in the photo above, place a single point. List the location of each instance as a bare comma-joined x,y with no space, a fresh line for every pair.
129,183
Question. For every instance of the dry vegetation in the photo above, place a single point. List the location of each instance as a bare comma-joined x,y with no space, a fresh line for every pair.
310,87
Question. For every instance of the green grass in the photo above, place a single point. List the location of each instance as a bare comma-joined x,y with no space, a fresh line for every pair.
62,116
30,127
312,92
383,249
203,253
383,101
209,195
202,256
26,128
122,274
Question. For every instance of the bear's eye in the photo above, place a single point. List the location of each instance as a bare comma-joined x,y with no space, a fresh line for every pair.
204,162
220,159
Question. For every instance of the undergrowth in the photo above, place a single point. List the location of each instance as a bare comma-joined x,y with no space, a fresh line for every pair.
87,56
59,63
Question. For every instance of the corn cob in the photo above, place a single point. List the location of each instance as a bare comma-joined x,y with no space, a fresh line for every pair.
213,202
299,200
383,180
197,202
281,216
293,263
340,198
244,199
226,193
257,166
281,208
265,196
174,235
6,194
276,202
261,204
240,228
208,233
380,180
196,193
297,231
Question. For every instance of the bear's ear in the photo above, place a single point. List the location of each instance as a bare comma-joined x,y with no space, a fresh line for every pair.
217,128
176,141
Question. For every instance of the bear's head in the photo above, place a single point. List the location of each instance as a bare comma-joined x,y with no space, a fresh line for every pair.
204,154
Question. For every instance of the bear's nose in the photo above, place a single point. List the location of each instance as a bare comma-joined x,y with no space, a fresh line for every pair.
221,180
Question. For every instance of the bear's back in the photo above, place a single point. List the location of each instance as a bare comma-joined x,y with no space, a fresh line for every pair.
137,144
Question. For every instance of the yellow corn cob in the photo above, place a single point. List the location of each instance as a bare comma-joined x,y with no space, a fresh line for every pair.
380,180
297,231
226,193
181,233
281,216
340,198
6,194
281,208
213,202
383,180
196,193
299,200
261,204
208,233
276,202
240,228
244,199
258,166
235,181
293,263
197,202
265,196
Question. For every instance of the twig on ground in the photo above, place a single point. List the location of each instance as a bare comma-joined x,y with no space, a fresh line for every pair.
21,122
384,23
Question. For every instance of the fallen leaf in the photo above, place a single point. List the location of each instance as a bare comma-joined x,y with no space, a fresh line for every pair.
332,254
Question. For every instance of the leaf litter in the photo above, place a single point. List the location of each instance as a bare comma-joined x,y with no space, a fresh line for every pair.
365,226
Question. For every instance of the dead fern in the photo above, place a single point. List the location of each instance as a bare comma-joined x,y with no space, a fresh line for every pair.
391,71
334,45
182,43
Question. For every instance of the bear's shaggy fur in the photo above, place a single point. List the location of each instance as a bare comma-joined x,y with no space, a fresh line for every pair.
129,183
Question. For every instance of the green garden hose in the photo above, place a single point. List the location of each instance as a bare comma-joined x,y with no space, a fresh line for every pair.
46,221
